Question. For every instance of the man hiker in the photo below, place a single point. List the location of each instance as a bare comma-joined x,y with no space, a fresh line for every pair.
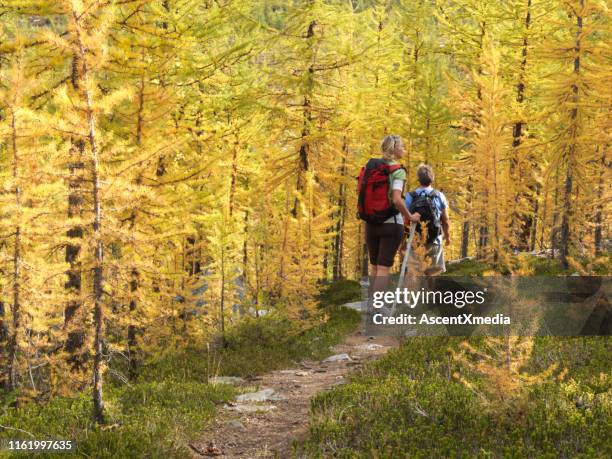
432,206
381,206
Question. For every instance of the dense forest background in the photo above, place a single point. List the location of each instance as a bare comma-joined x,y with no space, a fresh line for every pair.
170,166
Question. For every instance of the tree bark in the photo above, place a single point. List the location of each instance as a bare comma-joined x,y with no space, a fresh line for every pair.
13,345
554,231
522,222
222,302
98,270
465,233
339,237
132,328
75,338
234,176
571,153
304,152
598,239
534,227
3,344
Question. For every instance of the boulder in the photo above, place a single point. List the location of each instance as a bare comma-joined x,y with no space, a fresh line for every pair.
369,347
244,408
262,395
338,358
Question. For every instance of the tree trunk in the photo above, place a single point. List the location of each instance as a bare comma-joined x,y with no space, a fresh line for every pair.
304,153
3,331
98,278
132,328
13,346
544,217
571,153
483,238
222,303
234,175
245,252
465,238
339,237
465,233
3,343
521,221
73,324
598,239
534,227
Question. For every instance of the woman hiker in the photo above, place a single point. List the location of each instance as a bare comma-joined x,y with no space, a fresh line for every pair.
382,206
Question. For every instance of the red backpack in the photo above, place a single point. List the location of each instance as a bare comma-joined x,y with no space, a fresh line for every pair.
373,204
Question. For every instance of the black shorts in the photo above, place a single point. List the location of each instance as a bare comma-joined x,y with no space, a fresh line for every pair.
383,241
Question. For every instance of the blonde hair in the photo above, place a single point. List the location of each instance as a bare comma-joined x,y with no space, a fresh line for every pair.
389,145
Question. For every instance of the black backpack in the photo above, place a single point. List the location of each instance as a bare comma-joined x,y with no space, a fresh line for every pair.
423,203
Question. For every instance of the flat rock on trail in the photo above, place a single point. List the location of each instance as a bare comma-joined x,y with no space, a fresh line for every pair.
268,429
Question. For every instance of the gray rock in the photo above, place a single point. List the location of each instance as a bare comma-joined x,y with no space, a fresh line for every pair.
226,380
369,347
242,408
260,396
337,358
235,424
357,305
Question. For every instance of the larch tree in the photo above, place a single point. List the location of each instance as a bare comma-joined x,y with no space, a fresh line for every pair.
575,92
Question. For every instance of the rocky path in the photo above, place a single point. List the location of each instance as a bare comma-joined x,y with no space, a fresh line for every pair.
273,412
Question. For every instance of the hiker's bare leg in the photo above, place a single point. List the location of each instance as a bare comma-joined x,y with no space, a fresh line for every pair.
379,280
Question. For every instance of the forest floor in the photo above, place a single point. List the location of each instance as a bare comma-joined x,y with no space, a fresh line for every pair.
277,424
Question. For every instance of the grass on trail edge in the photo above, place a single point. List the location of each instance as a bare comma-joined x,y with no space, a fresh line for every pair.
409,404
171,402
413,402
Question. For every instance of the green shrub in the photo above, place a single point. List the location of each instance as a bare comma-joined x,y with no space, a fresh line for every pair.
339,293
408,404
151,419
466,268
157,415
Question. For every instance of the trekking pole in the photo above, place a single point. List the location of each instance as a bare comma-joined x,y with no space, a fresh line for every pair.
400,282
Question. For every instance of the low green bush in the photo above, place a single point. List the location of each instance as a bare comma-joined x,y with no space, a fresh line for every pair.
170,402
254,346
143,420
339,293
408,404
535,266
470,267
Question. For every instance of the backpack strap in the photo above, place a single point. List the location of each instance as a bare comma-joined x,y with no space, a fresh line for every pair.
373,163
393,167
369,168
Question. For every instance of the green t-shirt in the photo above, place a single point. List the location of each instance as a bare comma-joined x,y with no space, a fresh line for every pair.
399,174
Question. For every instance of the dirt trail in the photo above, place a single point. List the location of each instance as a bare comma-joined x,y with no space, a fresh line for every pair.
265,434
